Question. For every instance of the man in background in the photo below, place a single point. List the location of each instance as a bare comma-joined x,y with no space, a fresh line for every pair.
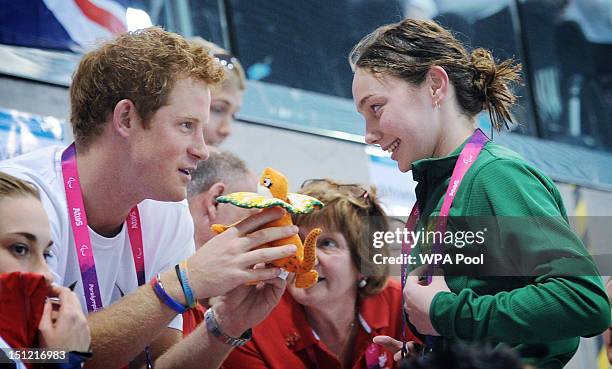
222,174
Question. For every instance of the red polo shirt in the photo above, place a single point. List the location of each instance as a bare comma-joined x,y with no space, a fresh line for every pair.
192,318
286,340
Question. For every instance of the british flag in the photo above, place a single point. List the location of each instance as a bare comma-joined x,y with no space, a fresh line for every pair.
61,24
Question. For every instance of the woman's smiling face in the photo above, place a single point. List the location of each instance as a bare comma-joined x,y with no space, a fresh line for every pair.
398,116
338,275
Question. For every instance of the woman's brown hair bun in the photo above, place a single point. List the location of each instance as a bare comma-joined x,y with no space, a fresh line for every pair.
492,83
408,49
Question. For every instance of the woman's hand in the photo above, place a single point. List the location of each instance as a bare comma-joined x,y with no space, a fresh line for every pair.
395,346
64,328
418,297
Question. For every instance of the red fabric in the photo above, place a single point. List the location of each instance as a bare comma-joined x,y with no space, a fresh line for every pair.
101,16
285,337
22,300
192,318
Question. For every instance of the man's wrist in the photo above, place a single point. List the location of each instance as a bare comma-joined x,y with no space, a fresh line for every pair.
227,323
172,286
212,325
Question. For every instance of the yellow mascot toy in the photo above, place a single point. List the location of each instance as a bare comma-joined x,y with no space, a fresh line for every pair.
274,187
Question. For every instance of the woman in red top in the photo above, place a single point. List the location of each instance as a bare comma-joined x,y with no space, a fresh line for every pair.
331,325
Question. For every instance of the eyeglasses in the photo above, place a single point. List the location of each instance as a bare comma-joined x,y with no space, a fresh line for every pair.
354,190
226,60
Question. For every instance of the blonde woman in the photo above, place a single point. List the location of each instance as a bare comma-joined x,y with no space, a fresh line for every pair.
27,317
226,96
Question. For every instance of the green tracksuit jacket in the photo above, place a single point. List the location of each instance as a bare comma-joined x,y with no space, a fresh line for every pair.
547,293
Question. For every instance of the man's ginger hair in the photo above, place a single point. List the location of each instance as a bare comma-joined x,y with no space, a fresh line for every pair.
142,66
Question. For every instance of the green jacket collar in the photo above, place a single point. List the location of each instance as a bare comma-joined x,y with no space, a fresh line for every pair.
435,170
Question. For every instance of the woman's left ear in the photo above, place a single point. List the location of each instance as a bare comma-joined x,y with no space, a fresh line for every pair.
438,84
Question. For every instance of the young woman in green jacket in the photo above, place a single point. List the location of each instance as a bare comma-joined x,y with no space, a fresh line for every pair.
537,290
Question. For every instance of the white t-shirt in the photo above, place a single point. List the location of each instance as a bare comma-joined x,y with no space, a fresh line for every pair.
167,233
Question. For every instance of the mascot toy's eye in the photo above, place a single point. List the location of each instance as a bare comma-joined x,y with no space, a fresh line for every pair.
267,182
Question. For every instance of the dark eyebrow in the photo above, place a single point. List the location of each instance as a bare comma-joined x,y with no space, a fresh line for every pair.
32,238
363,101
29,236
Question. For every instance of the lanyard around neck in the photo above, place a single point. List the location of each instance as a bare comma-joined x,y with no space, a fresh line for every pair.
82,241
467,157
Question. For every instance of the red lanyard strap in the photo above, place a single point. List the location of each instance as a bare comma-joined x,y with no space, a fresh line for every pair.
82,241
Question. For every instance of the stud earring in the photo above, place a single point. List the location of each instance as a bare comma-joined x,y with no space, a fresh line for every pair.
363,282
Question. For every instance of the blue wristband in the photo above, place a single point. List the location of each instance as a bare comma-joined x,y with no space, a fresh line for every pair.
181,273
166,299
